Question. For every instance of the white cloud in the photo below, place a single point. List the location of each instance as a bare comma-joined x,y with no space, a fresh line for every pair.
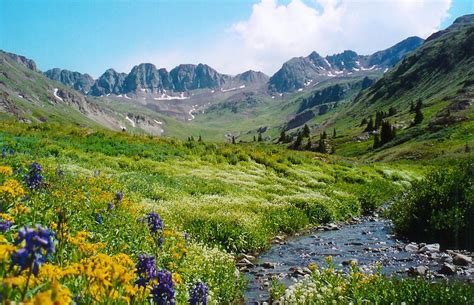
276,32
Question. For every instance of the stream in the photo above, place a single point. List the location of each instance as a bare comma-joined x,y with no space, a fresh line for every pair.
367,240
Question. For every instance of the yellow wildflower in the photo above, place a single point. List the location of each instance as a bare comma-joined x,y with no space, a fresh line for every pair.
6,170
177,278
7,217
11,188
5,251
57,295
20,209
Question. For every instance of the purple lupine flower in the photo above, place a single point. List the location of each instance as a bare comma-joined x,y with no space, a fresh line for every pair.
119,196
154,222
5,225
160,241
4,152
198,294
39,245
34,179
110,206
98,218
163,292
146,269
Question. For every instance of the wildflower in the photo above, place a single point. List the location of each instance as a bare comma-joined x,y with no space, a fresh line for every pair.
163,292
4,152
5,225
146,269
34,179
119,197
98,218
38,246
12,189
110,206
57,295
198,294
154,222
6,170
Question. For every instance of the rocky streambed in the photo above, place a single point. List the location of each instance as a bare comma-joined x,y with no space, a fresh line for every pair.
368,241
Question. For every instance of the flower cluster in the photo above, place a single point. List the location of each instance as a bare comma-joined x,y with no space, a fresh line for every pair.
154,222
146,269
34,179
38,246
6,170
163,292
198,294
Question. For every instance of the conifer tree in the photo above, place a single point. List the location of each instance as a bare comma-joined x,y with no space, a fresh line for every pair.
260,138
306,131
233,140
334,133
418,116
370,125
283,137
376,141
322,146
200,138
308,144
254,139
298,141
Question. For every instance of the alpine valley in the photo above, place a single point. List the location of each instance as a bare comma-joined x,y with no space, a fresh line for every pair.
343,179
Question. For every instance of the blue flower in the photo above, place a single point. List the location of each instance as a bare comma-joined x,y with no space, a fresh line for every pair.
154,222
119,196
98,218
163,292
5,225
34,179
198,294
146,269
39,245
110,206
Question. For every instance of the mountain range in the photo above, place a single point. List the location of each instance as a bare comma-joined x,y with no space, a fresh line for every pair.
295,74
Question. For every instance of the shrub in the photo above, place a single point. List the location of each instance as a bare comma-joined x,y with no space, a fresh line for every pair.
439,208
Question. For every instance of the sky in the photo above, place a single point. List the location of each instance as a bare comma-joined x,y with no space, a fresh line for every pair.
231,36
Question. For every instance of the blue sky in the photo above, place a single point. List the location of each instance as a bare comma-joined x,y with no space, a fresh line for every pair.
230,35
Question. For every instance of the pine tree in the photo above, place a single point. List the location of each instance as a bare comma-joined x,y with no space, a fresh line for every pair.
283,137
370,125
376,141
192,139
418,116
200,139
308,145
322,146
392,111
378,119
254,139
260,138
306,131
334,133
363,122
412,107
298,141
386,133
324,135
233,140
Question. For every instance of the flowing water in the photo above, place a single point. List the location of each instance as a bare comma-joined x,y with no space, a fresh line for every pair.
368,241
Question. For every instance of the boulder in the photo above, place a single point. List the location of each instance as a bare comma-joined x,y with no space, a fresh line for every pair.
268,265
430,248
244,263
418,271
462,260
411,247
447,269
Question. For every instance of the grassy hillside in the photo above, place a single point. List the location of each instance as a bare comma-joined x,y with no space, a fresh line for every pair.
439,74
228,198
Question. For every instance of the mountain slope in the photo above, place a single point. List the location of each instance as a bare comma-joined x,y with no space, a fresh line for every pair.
440,75
301,72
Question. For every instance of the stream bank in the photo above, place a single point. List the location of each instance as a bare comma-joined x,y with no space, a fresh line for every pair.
367,241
